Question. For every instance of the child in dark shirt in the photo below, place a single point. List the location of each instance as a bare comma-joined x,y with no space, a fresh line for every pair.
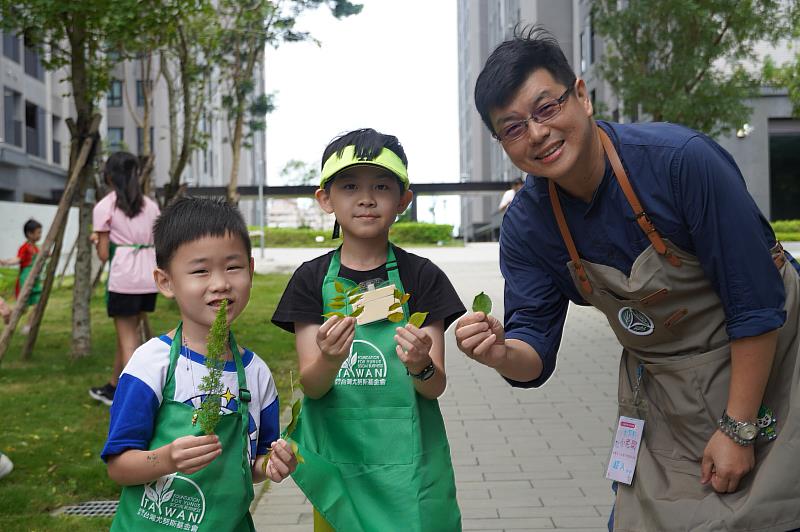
370,429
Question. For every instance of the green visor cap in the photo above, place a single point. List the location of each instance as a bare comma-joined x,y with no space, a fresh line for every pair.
386,159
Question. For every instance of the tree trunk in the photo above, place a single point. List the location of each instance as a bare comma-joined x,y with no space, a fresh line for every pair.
82,290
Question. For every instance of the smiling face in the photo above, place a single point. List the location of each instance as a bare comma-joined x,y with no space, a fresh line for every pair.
201,274
366,200
560,147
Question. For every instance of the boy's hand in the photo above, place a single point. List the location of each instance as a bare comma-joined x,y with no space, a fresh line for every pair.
190,454
335,337
282,461
482,338
413,348
94,238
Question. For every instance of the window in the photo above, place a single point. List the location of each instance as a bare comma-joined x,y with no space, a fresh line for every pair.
56,142
140,91
11,46
140,140
12,101
114,98
114,138
33,66
34,130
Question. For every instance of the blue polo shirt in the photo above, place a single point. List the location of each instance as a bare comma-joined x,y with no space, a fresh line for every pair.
696,197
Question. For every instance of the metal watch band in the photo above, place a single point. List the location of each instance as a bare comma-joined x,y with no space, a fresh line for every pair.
743,433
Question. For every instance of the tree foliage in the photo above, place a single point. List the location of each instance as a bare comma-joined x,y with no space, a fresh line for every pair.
686,61
787,75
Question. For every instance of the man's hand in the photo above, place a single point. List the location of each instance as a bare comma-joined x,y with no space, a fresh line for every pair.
482,338
725,463
282,461
413,348
190,454
335,337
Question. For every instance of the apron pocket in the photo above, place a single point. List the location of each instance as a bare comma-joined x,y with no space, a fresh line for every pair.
369,436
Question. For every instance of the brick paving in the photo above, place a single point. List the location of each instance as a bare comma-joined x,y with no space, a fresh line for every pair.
524,459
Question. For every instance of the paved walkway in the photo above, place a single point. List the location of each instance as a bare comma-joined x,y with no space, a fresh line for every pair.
524,459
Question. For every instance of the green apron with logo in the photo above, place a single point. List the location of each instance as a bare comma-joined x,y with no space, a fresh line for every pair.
36,291
112,249
376,452
216,498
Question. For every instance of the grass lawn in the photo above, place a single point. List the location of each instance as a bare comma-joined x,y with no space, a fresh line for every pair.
53,431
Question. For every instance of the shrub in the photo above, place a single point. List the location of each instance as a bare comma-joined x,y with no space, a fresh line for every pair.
420,233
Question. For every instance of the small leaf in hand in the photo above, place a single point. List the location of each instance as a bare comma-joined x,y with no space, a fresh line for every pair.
338,298
338,286
337,304
398,294
357,312
296,451
356,299
332,314
417,319
405,298
296,407
395,317
354,290
482,303
396,306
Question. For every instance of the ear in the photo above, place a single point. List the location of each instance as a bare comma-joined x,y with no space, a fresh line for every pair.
163,283
324,199
405,201
252,267
583,96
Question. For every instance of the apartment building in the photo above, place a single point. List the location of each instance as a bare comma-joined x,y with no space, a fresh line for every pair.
766,148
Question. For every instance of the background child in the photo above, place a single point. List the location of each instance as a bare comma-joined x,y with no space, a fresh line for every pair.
26,256
370,431
171,472
123,235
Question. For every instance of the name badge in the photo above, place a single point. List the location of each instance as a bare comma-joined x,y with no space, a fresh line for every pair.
625,450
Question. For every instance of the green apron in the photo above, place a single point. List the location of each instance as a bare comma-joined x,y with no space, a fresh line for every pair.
36,292
112,249
376,452
216,498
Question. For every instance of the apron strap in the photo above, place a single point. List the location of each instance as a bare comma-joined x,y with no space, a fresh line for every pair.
641,217
586,285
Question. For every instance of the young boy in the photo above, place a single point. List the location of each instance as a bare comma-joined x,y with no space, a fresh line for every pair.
26,256
370,430
173,475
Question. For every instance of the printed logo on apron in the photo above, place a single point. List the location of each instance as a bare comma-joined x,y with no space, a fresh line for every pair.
635,321
182,511
366,366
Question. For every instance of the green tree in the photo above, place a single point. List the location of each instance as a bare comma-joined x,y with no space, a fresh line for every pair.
247,26
296,172
686,61
787,75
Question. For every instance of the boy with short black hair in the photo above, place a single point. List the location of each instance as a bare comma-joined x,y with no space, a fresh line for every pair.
370,430
26,257
173,475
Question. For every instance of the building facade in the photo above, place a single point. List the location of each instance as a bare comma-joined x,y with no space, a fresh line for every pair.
767,148
34,138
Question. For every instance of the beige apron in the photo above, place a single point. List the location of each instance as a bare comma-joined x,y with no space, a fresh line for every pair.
671,323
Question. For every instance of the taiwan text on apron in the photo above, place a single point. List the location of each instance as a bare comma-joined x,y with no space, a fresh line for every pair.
376,456
671,322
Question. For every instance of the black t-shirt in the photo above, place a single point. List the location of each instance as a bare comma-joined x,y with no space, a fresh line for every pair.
430,289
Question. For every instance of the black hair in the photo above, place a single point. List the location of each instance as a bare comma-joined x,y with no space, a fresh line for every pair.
518,181
30,226
512,62
191,218
368,145
122,170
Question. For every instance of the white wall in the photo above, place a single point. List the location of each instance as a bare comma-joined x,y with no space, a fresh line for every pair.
13,216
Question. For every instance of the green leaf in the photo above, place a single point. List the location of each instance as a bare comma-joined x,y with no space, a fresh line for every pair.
357,312
338,286
296,408
209,412
396,306
405,298
338,298
395,317
296,451
398,294
356,299
337,304
354,290
417,319
332,314
482,303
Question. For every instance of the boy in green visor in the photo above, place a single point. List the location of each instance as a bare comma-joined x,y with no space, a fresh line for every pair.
370,430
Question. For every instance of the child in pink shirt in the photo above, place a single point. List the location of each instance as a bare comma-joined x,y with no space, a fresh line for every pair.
123,234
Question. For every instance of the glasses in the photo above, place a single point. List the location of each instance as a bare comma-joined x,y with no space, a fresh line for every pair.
541,114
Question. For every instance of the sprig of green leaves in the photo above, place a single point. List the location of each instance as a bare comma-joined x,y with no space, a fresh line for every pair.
211,384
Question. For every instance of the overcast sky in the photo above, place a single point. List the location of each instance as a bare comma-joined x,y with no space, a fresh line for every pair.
393,67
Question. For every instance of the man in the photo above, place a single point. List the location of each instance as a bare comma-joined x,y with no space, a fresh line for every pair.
509,194
651,224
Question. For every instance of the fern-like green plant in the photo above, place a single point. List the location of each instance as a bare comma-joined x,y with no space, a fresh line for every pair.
211,384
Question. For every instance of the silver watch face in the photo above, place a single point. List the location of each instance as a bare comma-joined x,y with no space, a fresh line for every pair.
748,432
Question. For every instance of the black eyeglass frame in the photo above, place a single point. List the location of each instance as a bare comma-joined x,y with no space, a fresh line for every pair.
556,103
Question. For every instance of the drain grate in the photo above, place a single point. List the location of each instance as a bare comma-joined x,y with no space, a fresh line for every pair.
90,509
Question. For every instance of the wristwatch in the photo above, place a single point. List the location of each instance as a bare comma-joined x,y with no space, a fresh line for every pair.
742,432
425,374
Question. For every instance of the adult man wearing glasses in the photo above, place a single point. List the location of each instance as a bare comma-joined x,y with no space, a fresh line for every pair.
651,224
